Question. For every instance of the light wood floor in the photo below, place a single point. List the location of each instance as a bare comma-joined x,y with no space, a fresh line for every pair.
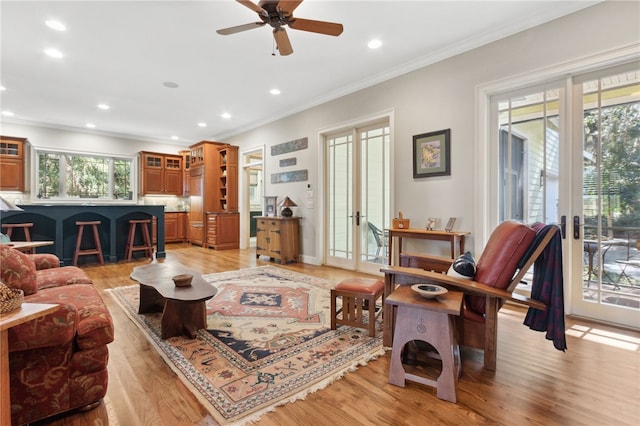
596,382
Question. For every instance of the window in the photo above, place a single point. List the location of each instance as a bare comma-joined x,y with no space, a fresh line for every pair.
63,176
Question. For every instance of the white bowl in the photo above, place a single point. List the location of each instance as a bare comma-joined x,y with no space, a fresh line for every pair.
428,291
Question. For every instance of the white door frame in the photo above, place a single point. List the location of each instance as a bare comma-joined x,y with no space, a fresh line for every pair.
243,188
321,242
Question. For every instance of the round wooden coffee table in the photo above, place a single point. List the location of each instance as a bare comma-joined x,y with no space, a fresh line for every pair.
183,308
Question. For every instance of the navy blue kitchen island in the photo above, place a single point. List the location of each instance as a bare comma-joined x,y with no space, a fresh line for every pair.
57,223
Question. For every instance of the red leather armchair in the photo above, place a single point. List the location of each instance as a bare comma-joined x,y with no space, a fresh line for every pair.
58,362
507,256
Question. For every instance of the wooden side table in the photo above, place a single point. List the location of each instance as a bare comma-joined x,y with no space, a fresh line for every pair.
432,321
27,312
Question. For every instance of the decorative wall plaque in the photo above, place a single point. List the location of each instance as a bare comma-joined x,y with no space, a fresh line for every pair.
288,162
295,176
290,146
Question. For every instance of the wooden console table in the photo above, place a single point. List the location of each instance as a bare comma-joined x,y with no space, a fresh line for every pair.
454,237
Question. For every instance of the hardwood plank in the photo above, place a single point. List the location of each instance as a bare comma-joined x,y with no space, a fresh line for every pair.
597,381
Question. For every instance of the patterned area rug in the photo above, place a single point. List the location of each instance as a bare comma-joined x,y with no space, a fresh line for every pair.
268,342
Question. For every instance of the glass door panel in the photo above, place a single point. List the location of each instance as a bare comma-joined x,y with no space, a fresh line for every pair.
358,200
610,178
529,159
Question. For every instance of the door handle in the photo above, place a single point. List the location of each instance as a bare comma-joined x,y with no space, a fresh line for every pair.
563,227
576,227
357,216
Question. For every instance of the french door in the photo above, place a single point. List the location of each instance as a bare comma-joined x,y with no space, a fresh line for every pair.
577,163
357,199
607,135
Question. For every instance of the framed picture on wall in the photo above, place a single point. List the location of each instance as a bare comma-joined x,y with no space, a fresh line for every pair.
270,205
432,154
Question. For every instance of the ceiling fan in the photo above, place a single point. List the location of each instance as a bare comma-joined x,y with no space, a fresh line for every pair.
279,14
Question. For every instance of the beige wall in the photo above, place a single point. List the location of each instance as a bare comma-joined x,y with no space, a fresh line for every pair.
437,97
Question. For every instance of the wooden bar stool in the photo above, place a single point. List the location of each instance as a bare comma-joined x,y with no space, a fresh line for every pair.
146,238
24,226
25,229
97,249
358,295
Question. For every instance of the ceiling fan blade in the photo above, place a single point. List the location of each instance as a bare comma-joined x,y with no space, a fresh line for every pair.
282,42
322,27
251,5
239,28
288,6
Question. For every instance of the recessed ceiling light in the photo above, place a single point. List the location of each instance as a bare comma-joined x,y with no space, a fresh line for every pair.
56,25
54,53
2,88
90,125
8,113
374,44
174,137
202,124
170,84
103,106
274,91
226,115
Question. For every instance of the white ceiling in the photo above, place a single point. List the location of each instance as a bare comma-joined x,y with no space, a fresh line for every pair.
121,53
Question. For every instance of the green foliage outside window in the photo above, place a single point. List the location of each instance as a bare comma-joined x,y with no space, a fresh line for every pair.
73,176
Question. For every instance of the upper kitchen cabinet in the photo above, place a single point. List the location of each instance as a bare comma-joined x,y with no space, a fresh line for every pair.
12,158
161,173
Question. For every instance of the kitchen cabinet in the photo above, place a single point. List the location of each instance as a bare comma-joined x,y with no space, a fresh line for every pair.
186,161
12,158
278,238
213,188
175,227
223,230
228,178
161,173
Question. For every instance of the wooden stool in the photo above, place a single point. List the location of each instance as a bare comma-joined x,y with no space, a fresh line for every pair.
130,248
97,249
433,322
358,295
25,229
24,226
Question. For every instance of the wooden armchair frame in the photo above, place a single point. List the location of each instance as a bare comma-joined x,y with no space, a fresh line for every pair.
472,333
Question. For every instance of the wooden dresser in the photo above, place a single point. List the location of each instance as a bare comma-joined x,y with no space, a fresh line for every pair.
278,238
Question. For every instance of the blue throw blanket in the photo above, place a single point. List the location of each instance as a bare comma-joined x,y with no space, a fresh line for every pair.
548,288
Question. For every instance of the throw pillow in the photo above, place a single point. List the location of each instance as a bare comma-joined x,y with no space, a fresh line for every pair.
463,267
